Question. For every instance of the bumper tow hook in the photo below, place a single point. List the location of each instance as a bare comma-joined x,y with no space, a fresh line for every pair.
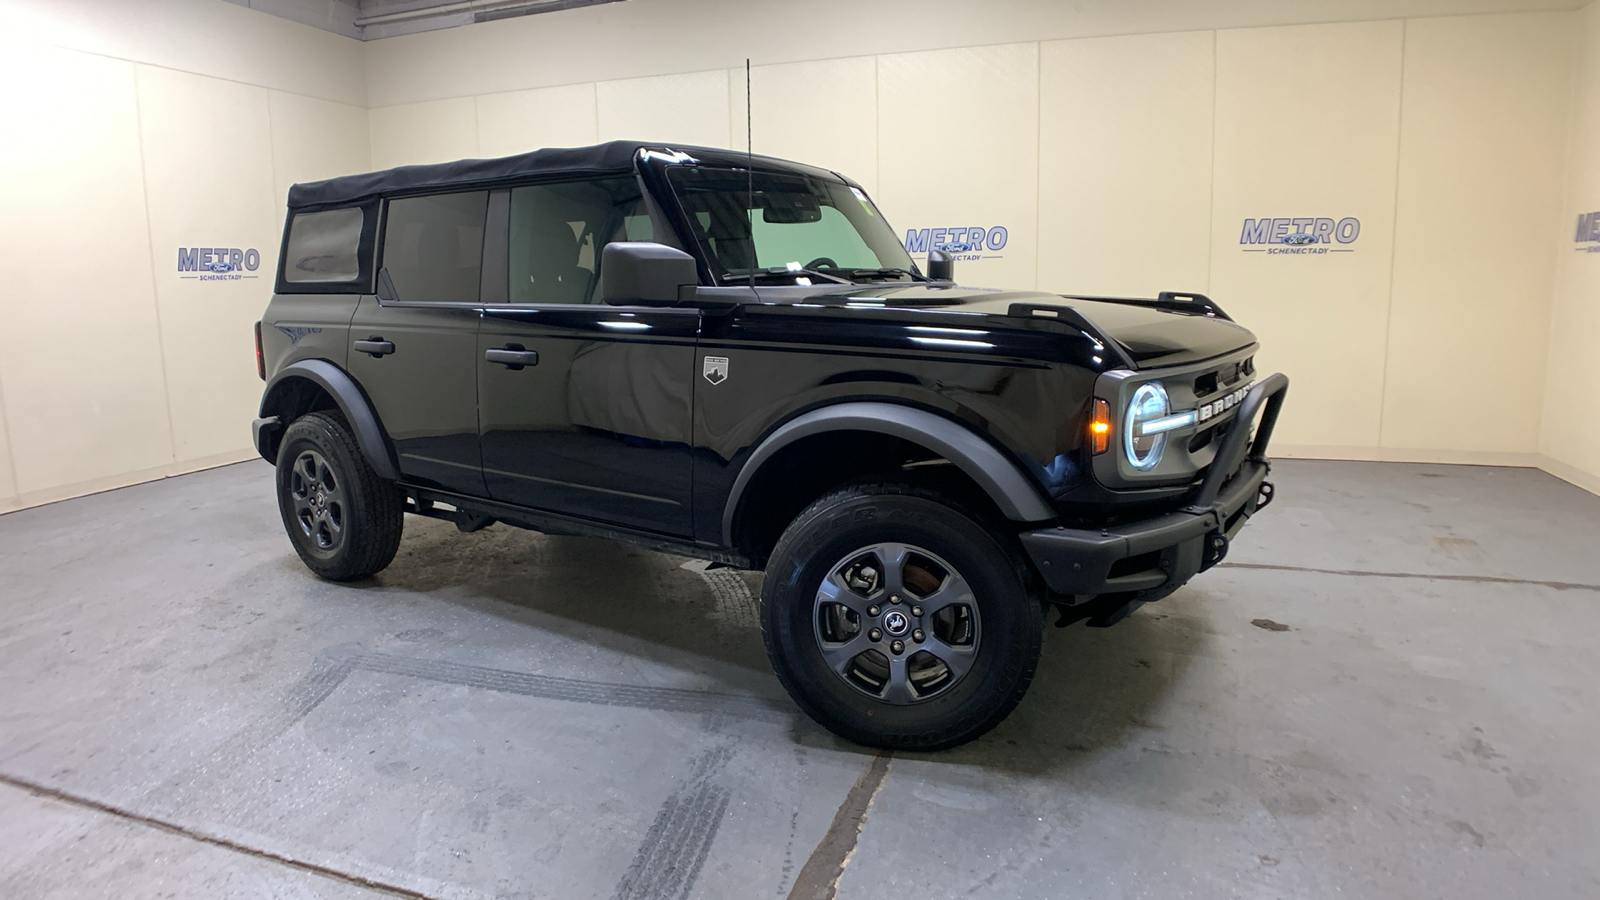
1216,548
1264,495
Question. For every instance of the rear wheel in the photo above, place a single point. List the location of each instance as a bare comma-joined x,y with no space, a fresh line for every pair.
895,620
344,521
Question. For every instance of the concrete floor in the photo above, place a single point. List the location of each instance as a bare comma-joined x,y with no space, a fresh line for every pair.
186,712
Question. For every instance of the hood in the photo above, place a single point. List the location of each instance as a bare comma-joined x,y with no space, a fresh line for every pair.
1151,336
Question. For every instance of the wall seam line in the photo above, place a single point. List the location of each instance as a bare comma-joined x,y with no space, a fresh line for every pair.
1394,240
1568,155
151,65
1038,158
1211,202
477,128
150,242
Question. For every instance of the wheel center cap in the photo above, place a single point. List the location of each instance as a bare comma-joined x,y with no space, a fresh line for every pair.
896,623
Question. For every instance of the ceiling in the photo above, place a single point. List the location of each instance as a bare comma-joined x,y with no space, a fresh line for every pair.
369,20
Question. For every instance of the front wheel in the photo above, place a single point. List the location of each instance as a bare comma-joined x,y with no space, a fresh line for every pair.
344,521
895,620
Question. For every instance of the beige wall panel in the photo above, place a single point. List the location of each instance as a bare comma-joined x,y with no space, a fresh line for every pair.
1482,141
520,121
691,108
204,36
1571,434
654,38
8,481
787,100
315,139
1318,146
958,147
80,352
436,131
1125,184
209,187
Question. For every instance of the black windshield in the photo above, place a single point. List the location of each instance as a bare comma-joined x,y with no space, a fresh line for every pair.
790,226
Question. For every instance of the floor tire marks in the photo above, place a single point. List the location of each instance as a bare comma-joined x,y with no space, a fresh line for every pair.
335,665
327,673
736,608
675,848
573,690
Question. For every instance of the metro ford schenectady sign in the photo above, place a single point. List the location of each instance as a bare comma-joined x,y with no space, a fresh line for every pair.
1308,235
960,243
218,263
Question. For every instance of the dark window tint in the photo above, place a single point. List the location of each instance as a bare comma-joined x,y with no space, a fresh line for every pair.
433,246
323,246
558,231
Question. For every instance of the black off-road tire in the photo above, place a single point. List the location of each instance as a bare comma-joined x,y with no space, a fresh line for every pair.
370,510
863,515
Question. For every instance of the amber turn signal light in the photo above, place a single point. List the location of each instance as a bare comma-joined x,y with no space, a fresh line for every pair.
1100,427
261,360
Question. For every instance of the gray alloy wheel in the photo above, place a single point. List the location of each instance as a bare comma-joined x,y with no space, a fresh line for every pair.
343,520
897,623
319,501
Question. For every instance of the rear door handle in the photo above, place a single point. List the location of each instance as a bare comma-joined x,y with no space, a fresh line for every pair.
512,357
374,345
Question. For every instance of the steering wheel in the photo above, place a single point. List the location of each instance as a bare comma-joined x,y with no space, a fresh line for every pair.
822,262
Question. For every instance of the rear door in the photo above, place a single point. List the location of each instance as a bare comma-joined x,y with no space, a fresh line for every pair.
584,408
415,355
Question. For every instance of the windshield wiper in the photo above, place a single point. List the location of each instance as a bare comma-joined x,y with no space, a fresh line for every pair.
883,272
734,275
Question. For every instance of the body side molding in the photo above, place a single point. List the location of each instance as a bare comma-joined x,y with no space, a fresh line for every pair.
1000,478
352,403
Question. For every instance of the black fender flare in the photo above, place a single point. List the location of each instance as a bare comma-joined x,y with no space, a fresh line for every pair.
1001,478
352,403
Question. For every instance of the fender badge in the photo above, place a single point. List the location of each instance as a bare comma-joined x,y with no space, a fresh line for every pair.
296,332
716,369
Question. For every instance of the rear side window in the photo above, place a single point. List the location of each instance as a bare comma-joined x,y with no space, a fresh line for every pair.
324,247
433,246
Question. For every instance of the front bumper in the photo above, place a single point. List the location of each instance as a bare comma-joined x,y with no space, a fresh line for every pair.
1151,558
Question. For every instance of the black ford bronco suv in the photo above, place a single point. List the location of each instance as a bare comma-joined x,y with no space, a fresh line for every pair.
733,358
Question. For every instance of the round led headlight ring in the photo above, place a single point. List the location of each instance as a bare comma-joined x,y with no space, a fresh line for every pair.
1149,403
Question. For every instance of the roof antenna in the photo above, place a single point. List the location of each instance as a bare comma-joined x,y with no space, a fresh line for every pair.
750,170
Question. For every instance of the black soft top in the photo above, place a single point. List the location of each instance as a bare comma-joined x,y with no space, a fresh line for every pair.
615,156
611,157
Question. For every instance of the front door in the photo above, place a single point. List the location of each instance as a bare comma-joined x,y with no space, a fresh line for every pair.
415,354
584,408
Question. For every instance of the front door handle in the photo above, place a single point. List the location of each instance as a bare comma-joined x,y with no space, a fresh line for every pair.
512,356
375,345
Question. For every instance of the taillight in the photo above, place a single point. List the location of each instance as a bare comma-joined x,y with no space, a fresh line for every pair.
1099,427
261,359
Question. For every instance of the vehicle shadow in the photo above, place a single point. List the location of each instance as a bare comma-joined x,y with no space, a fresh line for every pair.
1094,688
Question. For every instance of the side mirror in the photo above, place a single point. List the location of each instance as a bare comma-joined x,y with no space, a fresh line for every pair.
941,265
644,272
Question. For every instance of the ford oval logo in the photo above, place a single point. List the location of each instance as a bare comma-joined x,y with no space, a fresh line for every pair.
957,247
1299,238
220,266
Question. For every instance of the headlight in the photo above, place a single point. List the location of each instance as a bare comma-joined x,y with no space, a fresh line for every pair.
1149,404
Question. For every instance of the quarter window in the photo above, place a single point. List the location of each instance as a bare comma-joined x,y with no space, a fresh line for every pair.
559,230
433,246
324,246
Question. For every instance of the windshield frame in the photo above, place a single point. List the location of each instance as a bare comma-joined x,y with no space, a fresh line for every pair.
879,240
